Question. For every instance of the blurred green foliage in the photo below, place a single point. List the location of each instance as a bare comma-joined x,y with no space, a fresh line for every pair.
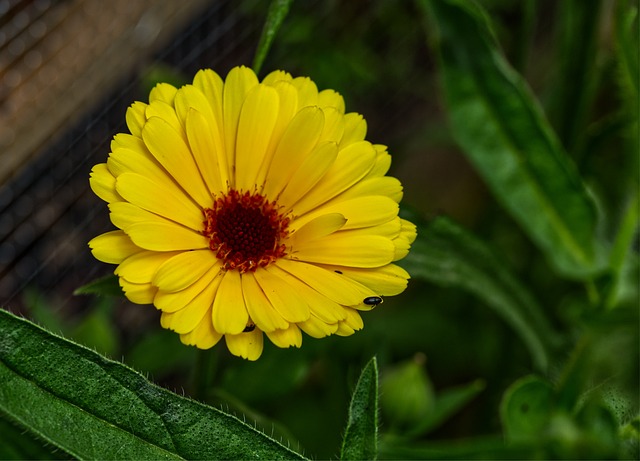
495,350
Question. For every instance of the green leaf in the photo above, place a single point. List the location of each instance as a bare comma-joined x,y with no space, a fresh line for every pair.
361,436
577,73
275,16
526,408
94,408
622,252
446,254
15,443
106,286
500,126
626,36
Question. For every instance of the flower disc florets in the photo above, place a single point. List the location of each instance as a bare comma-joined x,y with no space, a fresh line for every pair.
245,231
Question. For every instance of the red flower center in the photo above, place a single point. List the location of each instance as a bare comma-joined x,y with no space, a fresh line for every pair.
245,230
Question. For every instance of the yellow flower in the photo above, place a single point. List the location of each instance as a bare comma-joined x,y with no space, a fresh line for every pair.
246,208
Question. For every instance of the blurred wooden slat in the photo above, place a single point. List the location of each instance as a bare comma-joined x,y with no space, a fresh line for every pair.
59,58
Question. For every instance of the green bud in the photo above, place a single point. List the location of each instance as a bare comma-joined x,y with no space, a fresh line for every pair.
407,394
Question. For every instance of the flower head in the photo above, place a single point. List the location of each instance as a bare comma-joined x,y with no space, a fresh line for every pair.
246,208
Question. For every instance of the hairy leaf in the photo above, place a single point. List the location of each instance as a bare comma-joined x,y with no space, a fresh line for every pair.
94,408
361,436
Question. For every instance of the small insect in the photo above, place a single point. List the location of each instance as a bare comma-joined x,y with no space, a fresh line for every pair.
372,300
249,328
338,272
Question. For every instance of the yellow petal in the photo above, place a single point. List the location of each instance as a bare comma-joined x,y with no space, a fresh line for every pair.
297,143
358,212
124,160
211,86
135,117
126,141
204,135
190,97
409,230
352,323
138,293
286,301
165,236
161,199
355,129
255,126
239,81
166,112
316,328
203,336
389,280
307,92
385,185
346,250
383,161
310,171
261,312
286,338
113,247
168,147
163,92
331,98
343,291
103,183
123,214
229,312
246,345
402,248
333,125
173,301
318,227
208,151
277,76
142,266
187,319
351,164
182,270
319,305
404,240
288,105
390,229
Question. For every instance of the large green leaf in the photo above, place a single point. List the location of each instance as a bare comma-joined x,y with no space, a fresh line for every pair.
446,254
498,123
361,436
94,408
